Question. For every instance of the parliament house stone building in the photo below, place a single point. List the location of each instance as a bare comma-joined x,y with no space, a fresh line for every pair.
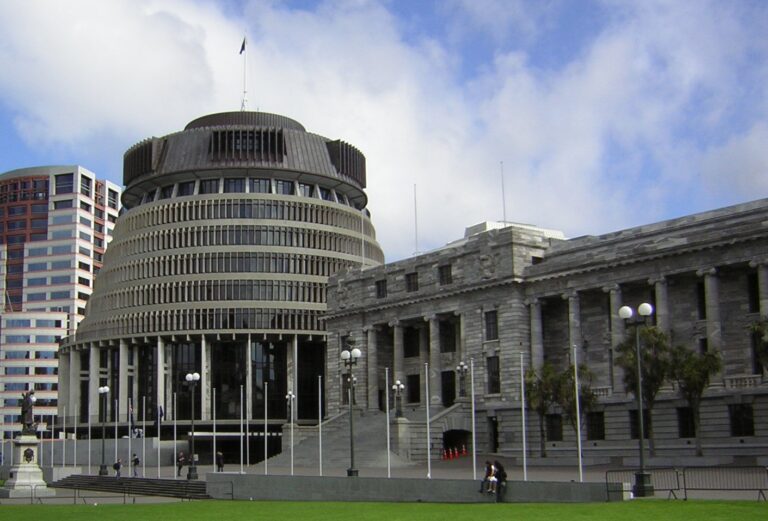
219,265
511,295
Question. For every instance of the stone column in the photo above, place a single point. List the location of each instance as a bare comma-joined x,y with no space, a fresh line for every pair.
618,334
461,346
94,383
762,285
74,383
574,319
712,302
662,303
537,333
64,385
248,389
435,380
160,377
372,356
122,377
397,370
290,370
205,379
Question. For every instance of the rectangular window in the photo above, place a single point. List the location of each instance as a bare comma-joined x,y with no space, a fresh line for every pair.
703,345
37,252
112,198
61,205
701,301
209,186
60,265
381,288
85,206
261,186
64,183
756,345
753,293
85,236
186,188
305,190
37,281
61,234
85,185
39,208
413,388
62,219
411,282
59,295
85,221
234,185
634,427
447,337
35,297
38,266
685,425
410,342
445,275
742,419
554,427
17,210
166,192
284,187
61,279
494,375
491,325
596,425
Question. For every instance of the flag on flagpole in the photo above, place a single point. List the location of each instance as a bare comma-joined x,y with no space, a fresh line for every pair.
242,47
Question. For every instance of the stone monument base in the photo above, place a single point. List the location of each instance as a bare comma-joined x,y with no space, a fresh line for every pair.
26,477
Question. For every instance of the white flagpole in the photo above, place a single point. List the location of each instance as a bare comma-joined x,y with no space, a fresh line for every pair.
53,431
522,415
578,412
143,436
128,460
247,437
117,418
159,421
89,439
64,444
175,448
362,238
215,453
426,399
74,435
320,420
386,400
474,441
241,430
266,429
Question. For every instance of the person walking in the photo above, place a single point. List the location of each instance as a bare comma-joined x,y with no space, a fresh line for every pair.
219,461
135,465
180,462
117,466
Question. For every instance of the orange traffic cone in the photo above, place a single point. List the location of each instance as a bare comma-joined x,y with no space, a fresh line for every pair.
463,450
445,455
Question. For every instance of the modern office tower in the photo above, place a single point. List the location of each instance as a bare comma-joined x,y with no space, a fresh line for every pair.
219,266
55,224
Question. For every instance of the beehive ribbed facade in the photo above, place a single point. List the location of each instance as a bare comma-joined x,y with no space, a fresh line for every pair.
219,264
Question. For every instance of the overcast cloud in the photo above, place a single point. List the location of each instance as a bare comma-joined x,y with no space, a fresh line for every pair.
611,115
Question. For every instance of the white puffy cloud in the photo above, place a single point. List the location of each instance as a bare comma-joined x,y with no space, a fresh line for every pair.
618,132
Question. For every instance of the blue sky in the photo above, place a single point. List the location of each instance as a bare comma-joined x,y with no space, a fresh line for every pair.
605,114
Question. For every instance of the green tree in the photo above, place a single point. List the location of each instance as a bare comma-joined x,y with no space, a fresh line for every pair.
540,392
566,394
654,367
692,372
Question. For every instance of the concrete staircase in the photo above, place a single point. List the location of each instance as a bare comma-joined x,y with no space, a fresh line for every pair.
370,443
135,486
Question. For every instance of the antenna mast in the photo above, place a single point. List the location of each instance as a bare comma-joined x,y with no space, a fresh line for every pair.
244,52
503,197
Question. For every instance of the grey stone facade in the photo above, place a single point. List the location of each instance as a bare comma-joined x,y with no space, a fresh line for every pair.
524,293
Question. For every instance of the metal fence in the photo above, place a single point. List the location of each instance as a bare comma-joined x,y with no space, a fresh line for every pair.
687,479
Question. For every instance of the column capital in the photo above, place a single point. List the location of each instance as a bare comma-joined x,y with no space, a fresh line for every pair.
703,272
757,263
611,288
371,327
570,294
394,322
429,318
532,301
658,279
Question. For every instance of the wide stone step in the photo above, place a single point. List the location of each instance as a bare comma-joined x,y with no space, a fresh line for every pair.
136,486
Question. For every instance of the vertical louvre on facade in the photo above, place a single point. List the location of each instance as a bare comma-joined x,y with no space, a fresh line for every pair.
265,145
348,160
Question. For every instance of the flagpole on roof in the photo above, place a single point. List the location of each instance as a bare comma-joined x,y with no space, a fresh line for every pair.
244,52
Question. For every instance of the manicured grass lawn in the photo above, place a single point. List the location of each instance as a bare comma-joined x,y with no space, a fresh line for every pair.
647,510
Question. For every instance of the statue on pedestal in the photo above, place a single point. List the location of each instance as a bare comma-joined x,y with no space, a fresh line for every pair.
27,414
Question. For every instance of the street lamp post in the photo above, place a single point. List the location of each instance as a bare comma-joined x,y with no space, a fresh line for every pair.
398,389
350,357
103,391
643,486
192,379
462,369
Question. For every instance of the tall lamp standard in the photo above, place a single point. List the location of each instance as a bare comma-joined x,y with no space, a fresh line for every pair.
643,486
462,369
398,389
289,398
103,391
192,379
350,357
